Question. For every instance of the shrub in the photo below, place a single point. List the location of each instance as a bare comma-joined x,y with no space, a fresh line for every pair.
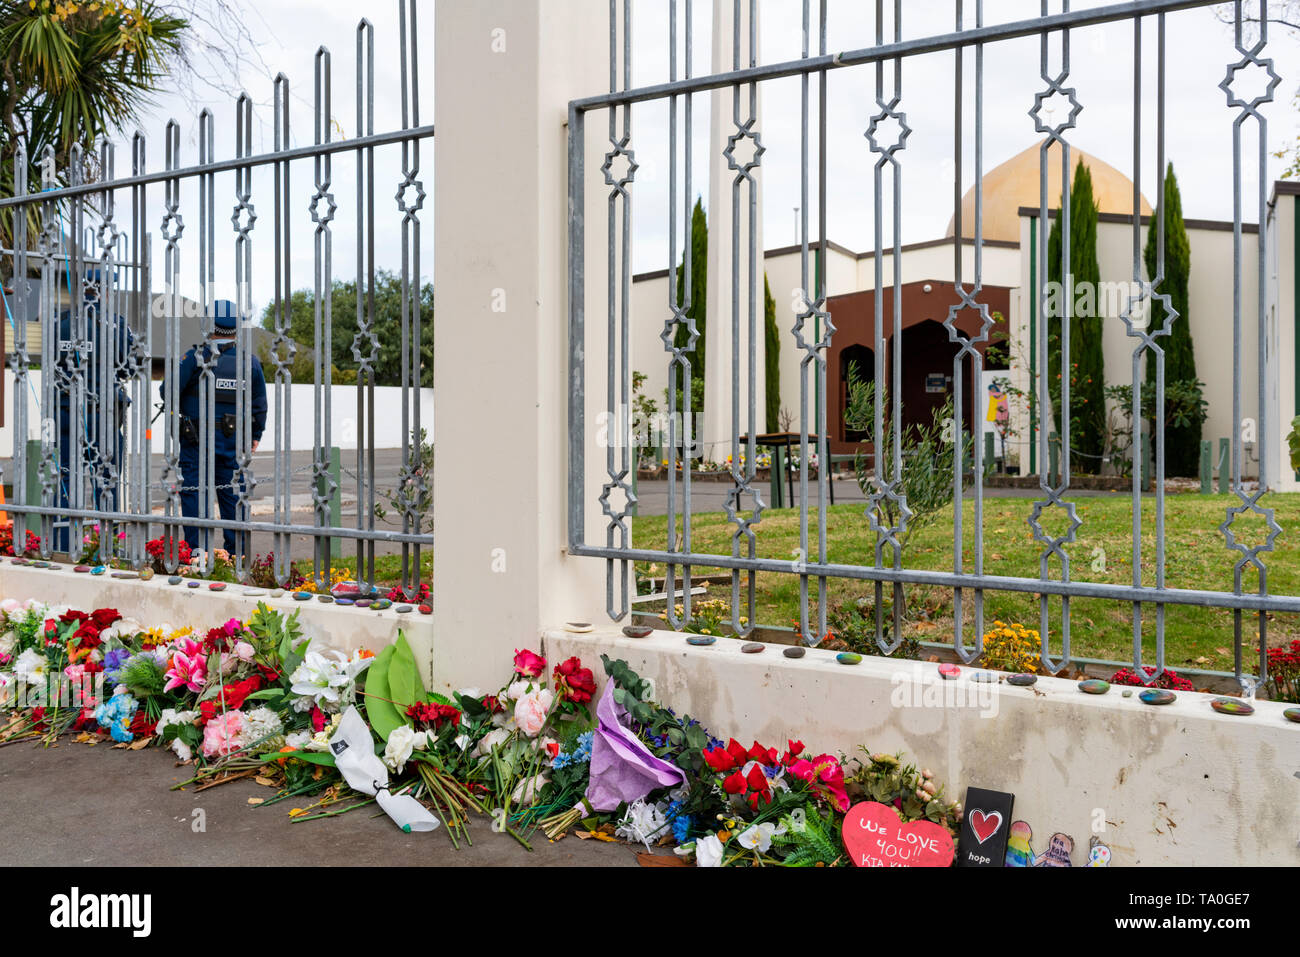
1011,648
1169,680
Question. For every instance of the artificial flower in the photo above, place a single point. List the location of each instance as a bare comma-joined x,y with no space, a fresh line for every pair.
224,734
401,743
31,667
708,851
528,664
575,683
759,836
319,681
525,793
532,710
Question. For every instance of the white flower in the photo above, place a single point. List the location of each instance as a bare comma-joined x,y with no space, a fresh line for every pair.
262,723
528,789
519,688
298,740
401,742
183,750
470,693
708,851
461,741
493,739
171,716
759,836
7,642
642,823
31,667
319,680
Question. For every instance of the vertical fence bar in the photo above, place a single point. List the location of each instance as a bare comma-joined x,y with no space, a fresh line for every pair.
283,347
243,219
322,209
365,344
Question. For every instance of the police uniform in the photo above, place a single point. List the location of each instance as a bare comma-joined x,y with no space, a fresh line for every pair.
225,374
112,446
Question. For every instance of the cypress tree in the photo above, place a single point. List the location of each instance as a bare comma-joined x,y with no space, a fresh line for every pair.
1088,373
1182,443
771,358
699,253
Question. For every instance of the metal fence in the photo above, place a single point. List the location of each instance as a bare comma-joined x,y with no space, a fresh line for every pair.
86,277
881,67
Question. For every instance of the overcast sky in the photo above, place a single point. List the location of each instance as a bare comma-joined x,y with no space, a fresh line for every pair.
1198,128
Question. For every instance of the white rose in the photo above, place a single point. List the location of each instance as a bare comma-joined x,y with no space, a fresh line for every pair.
528,789
492,739
401,743
708,851
183,750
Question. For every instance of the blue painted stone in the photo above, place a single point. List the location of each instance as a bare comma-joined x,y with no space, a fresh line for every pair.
795,651
302,596
1157,696
344,601
1292,714
175,580
98,570
1232,706
380,604
701,640
404,609
1022,680
1094,686
848,658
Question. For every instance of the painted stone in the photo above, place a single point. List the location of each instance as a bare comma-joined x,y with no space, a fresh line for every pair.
302,596
277,592
193,584
1128,692
752,647
1156,696
983,676
344,601
578,627
701,641
81,568
1292,714
404,609
1022,680
325,599
426,609
637,631
1232,706
216,586
352,589
794,651
253,592
948,671
146,574
1094,686
848,658
174,580
875,836
126,576
98,570
363,602
380,604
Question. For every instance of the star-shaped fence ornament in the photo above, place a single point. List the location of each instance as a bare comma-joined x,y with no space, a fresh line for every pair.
620,165
745,138
888,130
1048,102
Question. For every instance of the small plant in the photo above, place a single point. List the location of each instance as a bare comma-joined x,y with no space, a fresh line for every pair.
1284,672
913,794
159,548
414,494
712,616
1169,680
1012,648
261,573
854,623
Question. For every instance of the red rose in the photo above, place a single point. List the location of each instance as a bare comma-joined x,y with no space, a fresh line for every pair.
528,664
762,755
576,683
756,779
795,749
734,784
719,759
737,752
104,617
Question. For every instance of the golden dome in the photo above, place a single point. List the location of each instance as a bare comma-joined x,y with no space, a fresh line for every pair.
1016,183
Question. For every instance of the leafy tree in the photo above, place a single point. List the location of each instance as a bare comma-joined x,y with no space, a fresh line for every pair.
71,72
771,359
699,253
1182,439
1087,372
387,326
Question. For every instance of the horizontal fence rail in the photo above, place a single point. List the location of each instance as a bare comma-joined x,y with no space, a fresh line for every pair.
881,67
122,333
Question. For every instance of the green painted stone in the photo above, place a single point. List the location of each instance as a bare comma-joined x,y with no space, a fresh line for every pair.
1157,696
701,641
1022,680
1232,706
379,604
794,651
1292,714
1094,686
637,631
848,658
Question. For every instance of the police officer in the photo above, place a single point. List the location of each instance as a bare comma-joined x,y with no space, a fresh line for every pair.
99,452
225,373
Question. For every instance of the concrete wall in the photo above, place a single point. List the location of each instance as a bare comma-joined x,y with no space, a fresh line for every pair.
302,417
1177,784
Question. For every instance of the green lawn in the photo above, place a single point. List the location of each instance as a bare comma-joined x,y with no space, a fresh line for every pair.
1196,558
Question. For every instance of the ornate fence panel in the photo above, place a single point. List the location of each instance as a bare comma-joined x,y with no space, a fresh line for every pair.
113,321
884,94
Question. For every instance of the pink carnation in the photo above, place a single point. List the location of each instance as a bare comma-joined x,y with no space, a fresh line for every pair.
223,734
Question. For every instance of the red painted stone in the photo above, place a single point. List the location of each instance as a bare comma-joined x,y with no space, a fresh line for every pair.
426,609
876,837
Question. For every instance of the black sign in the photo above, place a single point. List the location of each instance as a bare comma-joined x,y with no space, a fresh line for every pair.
984,828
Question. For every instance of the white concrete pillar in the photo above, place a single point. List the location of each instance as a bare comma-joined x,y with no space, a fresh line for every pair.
505,71
729,215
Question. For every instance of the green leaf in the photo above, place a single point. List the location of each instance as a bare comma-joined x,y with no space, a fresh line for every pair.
404,675
311,757
384,718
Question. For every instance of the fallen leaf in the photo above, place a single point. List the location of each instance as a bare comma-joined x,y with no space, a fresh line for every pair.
265,782
660,860
296,811
139,743
256,800
924,626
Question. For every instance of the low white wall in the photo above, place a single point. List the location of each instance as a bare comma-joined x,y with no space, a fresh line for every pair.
1177,784
302,415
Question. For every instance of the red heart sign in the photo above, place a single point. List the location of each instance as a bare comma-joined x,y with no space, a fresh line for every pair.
985,825
876,837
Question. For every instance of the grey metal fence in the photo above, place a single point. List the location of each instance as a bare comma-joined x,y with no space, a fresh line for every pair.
116,332
882,67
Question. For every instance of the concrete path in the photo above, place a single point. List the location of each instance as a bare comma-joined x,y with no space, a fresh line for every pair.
76,805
